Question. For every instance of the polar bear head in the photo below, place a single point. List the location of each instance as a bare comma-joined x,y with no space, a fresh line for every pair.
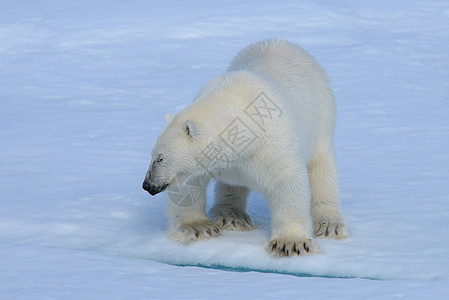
187,145
175,154
196,142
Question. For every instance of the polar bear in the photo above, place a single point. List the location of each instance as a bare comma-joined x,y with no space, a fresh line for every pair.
267,125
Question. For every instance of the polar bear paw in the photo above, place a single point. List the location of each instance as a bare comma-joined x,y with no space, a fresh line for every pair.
233,219
336,230
188,233
299,247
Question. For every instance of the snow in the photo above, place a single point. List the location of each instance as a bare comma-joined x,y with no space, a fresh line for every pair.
84,87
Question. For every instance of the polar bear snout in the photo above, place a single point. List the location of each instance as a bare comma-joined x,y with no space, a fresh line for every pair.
151,184
153,189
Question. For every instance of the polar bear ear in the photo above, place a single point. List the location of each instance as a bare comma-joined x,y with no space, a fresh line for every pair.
167,117
190,128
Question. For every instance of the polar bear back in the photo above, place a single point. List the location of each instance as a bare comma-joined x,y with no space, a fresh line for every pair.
278,59
298,76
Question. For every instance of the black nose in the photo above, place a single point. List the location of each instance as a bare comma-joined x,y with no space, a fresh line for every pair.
153,189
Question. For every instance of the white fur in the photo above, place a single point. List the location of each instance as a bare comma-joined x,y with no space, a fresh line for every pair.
290,158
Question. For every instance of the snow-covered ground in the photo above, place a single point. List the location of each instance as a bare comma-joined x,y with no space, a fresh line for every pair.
84,86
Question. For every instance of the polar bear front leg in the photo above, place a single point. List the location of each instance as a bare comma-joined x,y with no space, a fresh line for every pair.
229,208
328,220
290,218
186,208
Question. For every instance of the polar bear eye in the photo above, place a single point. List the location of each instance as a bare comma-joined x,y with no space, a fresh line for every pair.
159,158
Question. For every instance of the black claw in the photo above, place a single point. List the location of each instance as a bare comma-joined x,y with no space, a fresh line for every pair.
209,232
273,246
306,248
336,233
197,234
327,231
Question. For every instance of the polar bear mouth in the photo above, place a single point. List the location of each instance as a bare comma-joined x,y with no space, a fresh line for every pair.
153,189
